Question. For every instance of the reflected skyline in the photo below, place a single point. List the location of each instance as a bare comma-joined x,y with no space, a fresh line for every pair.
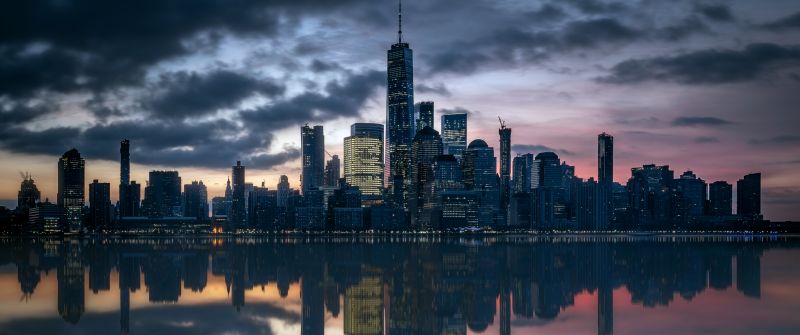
401,285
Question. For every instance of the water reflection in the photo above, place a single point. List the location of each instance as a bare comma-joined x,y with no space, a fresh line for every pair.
367,286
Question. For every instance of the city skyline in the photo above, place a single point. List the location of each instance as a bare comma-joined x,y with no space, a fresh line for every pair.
37,118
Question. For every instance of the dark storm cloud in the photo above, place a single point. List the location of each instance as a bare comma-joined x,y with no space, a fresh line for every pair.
438,89
597,6
97,44
339,100
712,66
682,29
189,94
322,66
538,148
786,23
715,12
699,121
546,13
17,114
511,46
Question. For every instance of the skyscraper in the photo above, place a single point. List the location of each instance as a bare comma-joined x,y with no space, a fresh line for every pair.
129,192
313,155
720,195
363,159
689,195
748,197
71,189
237,218
454,134
28,194
605,180
399,105
425,148
649,194
100,205
162,196
124,162
333,171
505,164
522,174
283,191
424,114
480,175
195,200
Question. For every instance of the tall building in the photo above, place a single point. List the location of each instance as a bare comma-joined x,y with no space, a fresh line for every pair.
549,203
505,164
28,194
262,208
649,192
363,159
523,165
162,196
333,171
195,200
313,155
720,199
237,218
129,192
399,105
283,191
454,134
425,148
71,189
480,175
748,197
586,206
605,180
100,205
689,199
424,114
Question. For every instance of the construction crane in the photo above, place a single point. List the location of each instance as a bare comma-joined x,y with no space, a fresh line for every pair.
502,123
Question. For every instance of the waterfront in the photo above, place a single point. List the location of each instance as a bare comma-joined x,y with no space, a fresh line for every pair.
400,285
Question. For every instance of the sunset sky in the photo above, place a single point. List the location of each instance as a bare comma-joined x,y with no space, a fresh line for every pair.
707,86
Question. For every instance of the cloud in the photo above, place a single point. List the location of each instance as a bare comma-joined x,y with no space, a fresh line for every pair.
17,113
706,66
437,89
321,66
184,94
590,33
682,29
786,23
538,148
784,195
697,121
715,12
597,6
546,13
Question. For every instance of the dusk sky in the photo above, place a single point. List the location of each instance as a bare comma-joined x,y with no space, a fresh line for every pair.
707,86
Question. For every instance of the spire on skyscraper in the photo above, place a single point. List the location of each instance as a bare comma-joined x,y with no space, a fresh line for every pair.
399,21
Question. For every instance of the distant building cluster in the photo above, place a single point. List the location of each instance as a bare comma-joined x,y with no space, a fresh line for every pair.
399,177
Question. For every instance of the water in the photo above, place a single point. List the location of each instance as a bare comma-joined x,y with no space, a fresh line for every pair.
411,285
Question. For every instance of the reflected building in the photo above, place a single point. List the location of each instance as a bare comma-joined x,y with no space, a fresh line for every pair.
71,295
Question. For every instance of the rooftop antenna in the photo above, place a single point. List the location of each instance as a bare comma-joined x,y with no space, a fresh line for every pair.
399,21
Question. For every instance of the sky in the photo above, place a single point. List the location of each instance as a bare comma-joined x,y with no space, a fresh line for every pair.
707,86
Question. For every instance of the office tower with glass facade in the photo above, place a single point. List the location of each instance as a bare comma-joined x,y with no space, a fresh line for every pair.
162,196
505,164
28,195
363,159
313,157
424,115
425,148
100,205
454,134
748,197
605,180
523,165
237,218
649,192
689,199
720,199
480,175
71,189
333,171
399,106
195,200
